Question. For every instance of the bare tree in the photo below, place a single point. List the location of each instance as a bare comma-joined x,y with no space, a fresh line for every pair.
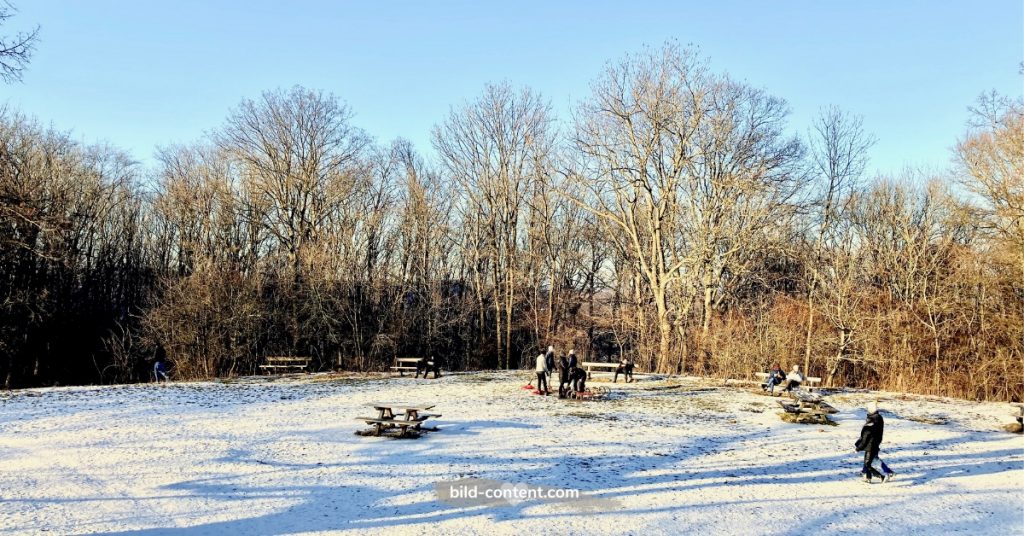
839,152
15,50
495,149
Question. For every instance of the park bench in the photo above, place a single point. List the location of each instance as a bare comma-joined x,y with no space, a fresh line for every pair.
401,416
610,368
403,364
285,362
810,383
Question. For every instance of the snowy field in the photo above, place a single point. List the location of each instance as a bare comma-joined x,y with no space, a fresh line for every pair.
261,456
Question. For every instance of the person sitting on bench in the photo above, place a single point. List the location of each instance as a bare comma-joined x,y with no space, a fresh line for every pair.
775,377
426,365
793,379
625,368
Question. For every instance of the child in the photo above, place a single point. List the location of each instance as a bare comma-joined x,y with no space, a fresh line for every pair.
869,442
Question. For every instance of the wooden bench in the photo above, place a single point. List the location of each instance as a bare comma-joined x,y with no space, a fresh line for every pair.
403,364
286,362
607,367
810,383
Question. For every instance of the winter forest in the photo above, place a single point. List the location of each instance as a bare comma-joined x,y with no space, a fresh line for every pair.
675,217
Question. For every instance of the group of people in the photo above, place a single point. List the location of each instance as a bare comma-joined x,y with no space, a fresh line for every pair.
871,433
777,377
571,377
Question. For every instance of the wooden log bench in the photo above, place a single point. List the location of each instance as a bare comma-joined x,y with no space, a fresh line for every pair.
273,363
810,383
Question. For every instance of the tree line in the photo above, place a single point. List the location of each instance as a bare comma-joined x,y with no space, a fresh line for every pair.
676,219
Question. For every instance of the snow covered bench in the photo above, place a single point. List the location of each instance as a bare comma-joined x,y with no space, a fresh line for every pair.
285,362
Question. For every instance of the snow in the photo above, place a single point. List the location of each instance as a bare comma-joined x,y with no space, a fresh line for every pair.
662,456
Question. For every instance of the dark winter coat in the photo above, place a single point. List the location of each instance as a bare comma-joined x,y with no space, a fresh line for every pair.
549,360
563,369
573,362
871,434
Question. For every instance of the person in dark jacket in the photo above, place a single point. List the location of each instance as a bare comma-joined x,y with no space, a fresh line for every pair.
578,377
563,376
870,441
574,364
775,377
426,366
549,361
625,368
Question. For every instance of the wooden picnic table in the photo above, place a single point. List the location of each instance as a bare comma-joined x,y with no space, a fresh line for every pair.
809,403
412,416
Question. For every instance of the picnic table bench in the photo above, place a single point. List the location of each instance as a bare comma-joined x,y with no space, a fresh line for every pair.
804,402
396,415
608,367
810,383
286,362
403,364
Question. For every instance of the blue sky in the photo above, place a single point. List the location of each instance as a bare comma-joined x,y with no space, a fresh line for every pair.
139,74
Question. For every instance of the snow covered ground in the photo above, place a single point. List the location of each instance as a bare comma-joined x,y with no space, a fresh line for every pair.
279,456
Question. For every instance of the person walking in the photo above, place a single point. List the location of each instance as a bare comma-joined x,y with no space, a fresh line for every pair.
160,371
869,442
626,368
542,375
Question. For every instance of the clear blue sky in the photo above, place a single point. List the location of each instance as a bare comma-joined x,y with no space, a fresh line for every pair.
141,73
